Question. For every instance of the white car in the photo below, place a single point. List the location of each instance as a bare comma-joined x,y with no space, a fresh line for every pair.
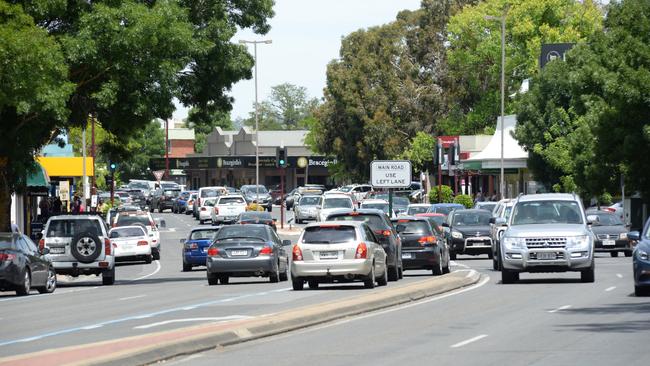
190,203
377,204
131,243
338,251
205,210
227,208
417,208
332,202
357,191
144,219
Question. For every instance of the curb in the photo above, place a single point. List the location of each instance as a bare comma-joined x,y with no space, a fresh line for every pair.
154,347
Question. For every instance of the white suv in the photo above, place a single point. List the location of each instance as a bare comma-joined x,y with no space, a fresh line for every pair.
547,233
79,244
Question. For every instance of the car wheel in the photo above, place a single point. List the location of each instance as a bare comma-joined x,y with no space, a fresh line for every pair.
613,254
50,285
628,253
274,276
495,263
383,280
437,270
200,222
297,283
313,284
393,274
85,247
284,276
490,255
224,279
369,282
155,253
148,259
24,288
508,277
212,279
108,277
641,291
151,209
452,256
400,272
187,267
588,275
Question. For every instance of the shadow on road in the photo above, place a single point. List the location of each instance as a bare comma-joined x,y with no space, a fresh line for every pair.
630,326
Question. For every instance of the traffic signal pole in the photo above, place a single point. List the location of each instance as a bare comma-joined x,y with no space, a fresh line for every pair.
282,172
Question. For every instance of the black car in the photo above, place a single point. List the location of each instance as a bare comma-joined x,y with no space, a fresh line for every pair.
468,232
137,198
256,217
385,232
253,193
23,267
423,245
163,199
610,232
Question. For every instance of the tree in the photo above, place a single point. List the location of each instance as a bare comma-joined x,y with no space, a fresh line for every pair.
420,152
122,60
286,109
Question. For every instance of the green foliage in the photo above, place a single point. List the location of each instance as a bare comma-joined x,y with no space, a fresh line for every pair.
420,152
464,200
605,199
441,194
288,108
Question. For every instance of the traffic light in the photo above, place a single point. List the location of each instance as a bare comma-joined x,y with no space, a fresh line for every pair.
112,166
281,158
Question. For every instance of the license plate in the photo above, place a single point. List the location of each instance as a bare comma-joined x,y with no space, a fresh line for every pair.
609,242
546,256
57,250
329,255
407,256
239,252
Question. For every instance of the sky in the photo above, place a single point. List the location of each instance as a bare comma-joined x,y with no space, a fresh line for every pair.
306,36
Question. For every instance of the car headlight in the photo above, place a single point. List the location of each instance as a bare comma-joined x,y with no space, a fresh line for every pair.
622,236
514,243
643,255
456,235
578,242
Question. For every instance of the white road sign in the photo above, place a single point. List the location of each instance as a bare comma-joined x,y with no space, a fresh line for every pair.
390,173
158,174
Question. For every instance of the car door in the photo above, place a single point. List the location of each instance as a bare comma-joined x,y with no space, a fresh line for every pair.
378,250
33,260
282,252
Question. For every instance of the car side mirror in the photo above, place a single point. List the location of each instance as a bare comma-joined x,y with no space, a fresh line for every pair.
500,221
44,251
634,235
182,241
493,220
400,228
286,243
444,224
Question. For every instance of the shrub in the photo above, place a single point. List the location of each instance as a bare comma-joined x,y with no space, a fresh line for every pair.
447,195
464,200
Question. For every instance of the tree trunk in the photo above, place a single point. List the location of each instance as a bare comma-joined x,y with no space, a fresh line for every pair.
5,201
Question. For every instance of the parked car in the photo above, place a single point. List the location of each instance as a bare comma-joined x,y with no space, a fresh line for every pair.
385,232
641,260
163,199
547,232
258,194
611,233
23,266
131,243
204,193
251,250
205,211
333,202
144,219
227,208
256,217
195,247
79,245
469,232
338,251
423,245
418,208
307,208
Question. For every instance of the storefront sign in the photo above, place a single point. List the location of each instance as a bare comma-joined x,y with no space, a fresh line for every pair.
64,190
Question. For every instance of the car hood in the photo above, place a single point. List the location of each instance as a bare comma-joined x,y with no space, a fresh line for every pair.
614,229
555,230
477,230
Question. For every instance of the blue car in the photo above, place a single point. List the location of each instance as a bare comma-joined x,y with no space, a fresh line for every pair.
180,202
641,260
195,247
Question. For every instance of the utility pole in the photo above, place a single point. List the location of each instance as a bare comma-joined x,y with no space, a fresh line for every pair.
166,149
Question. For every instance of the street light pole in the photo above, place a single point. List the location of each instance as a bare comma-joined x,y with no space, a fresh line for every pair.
257,136
502,19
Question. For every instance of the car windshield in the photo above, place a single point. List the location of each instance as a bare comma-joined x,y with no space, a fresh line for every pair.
233,200
417,209
401,201
608,219
471,218
310,201
127,232
378,206
67,228
171,192
486,206
136,193
203,234
252,189
345,189
242,232
329,234
413,227
546,212
444,209
337,203
129,220
375,222
6,241
438,220
139,185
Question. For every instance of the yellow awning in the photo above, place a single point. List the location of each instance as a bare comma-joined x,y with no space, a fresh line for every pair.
65,166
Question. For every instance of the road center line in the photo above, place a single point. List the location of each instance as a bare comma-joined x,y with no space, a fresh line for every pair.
560,309
619,275
131,297
471,340
150,274
610,289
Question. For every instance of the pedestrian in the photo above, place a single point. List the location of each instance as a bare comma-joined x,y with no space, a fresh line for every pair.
44,205
494,196
479,197
56,205
76,205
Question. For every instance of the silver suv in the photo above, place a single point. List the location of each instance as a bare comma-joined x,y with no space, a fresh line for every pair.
547,233
79,244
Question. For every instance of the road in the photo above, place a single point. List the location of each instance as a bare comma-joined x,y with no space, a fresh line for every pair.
148,298
547,319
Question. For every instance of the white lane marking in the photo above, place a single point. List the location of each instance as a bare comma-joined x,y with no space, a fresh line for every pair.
186,359
454,263
172,229
559,309
610,289
150,274
619,275
131,297
471,340
59,292
188,320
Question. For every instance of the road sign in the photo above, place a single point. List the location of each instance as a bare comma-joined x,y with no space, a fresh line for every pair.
158,174
390,173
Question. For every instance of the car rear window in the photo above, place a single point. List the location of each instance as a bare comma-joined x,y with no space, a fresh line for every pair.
69,228
203,234
209,193
337,203
127,232
375,222
123,220
253,215
413,227
417,209
329,234
242,232
376,206
227,200
6,241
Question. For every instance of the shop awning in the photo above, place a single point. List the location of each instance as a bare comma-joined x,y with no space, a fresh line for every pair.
514,156
66,166
38,178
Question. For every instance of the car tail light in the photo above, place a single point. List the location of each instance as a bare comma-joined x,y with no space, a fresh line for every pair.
427,240
107,246
143,242
362,251
297,253
7,257
266,251
41,244
203,209
213,252
216,210
383,232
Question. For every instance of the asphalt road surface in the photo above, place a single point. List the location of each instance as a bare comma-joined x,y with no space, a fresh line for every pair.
149,298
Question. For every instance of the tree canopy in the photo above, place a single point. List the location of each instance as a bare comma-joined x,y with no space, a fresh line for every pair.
287,108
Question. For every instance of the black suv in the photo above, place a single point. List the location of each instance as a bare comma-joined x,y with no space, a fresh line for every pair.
163,199
137,198
385,232
423,245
